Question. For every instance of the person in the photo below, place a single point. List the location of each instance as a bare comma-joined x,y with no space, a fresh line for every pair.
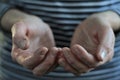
43,42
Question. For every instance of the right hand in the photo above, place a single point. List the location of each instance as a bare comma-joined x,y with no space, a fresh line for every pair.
33,45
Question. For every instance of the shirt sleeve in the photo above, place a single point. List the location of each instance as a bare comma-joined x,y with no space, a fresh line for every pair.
116,8
4,7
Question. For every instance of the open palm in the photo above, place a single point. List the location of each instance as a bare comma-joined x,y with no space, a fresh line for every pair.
92,45
33,45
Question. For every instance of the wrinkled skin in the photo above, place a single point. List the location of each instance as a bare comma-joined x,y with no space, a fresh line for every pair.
92,45
33,45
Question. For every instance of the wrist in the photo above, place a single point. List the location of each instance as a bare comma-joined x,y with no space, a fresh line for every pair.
11,17
110,17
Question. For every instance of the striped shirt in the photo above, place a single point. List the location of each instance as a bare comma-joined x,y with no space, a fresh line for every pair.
63,16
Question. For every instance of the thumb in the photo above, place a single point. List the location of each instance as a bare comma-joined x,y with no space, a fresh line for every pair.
106,45
101,53
19,36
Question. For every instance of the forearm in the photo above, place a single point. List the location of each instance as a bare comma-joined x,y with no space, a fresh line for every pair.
12,16
112,18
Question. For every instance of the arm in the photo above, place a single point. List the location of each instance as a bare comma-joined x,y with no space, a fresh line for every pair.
3,9
12,16
111,17
9,15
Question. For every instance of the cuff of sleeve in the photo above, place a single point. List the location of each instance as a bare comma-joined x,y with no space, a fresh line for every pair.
116,8
3,9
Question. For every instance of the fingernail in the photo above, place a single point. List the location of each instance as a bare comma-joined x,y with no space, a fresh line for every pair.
23,44
103,54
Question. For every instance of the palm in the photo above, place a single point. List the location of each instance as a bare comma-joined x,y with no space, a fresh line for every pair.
30,37
92,45
92,33
39,36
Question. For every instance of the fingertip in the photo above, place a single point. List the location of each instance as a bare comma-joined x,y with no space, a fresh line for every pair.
76,47
102,53
24,44
41,51
61,62
66,51
59,54
53,51
45,49
65,48
55,48
59,49
19,36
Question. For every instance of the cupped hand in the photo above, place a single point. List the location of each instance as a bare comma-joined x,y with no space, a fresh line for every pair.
33,45
92,45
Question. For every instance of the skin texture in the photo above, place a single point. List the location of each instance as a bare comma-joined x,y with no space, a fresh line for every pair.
33,45
92,45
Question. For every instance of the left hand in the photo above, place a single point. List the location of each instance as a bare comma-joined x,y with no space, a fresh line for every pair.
92,45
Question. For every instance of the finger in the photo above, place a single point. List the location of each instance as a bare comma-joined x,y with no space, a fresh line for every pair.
104,53
28,60
106,44
42,68
32,61
52,68
62,62
82,55
71,59
56,61
19,34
